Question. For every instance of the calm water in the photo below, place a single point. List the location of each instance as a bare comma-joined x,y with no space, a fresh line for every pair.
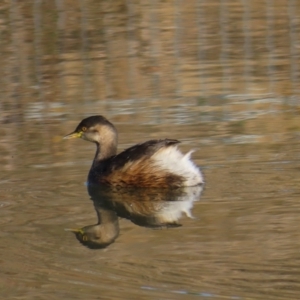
222,77
242,243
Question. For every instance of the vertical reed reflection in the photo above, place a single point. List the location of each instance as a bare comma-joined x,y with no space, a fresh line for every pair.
15,83
294,23
225,50
84,53
155,57
269,6
60,29
248,55
107,38
155,51
177,46
131,29
37,15
201,42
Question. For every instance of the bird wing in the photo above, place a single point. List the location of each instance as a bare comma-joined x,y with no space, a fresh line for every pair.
156,163
137,152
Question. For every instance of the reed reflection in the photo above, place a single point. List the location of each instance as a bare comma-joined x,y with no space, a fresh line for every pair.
153,208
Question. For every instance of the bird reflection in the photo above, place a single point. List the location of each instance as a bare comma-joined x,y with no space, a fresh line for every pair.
153,208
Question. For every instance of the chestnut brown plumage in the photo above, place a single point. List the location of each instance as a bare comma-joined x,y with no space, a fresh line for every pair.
155,163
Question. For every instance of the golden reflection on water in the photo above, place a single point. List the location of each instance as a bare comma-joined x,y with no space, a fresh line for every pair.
221,78
242,242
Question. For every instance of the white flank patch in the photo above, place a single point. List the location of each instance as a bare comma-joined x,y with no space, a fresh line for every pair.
173,161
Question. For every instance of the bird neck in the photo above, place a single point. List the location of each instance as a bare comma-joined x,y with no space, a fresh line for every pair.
104,151
106,142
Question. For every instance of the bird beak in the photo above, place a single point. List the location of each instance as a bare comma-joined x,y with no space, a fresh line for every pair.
79,230
73,135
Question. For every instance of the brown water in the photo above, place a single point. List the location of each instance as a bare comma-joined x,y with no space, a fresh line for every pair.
243,242
222,77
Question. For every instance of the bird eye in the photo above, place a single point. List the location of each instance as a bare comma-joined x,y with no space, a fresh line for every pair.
83,128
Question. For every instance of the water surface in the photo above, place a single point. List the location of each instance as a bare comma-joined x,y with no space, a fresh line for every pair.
221,76
242,242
